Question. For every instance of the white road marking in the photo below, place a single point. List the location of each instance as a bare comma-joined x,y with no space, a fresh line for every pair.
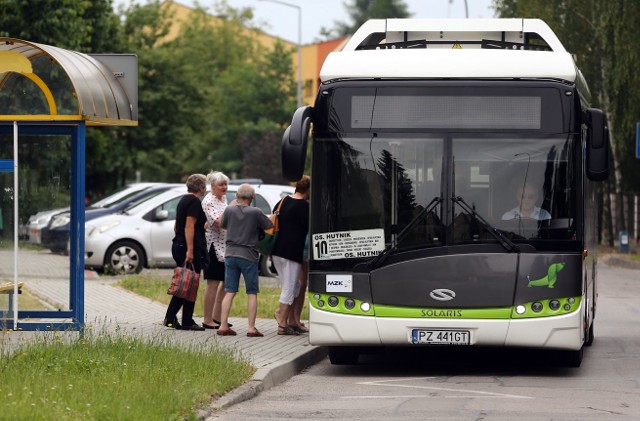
468,393
424,396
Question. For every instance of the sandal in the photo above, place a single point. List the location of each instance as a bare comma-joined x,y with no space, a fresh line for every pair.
299,329
286,330
226,332
255,334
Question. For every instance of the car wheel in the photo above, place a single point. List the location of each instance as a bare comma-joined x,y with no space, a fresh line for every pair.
58,250
124,258
266,266
590,336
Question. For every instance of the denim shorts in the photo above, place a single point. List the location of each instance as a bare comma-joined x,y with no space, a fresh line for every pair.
234,266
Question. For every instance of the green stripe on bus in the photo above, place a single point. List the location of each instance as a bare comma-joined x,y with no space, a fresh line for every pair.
542,308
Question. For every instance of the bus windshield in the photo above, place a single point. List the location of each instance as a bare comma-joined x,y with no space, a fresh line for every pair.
522,186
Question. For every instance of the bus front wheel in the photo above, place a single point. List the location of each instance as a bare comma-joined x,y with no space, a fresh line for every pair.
573,358
343,355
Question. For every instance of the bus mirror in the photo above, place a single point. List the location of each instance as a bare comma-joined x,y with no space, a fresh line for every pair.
597,145
294,144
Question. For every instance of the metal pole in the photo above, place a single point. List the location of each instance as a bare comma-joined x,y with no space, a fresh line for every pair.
15,225
299,90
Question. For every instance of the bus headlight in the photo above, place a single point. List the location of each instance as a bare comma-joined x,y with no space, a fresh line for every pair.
554,305
365,307
333,301
536,307
521,309
349,303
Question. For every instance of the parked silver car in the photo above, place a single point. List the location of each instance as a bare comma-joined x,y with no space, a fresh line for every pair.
141,235
40,220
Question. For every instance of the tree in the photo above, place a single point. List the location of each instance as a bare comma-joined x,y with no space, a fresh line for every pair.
600,34
81,25
362,10
200,93
204,91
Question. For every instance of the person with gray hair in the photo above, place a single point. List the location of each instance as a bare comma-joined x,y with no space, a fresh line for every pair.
243,224
189,246
214,205
526,196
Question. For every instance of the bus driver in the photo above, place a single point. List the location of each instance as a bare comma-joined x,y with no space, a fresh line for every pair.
527,196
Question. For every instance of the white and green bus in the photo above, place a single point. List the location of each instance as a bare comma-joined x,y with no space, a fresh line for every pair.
453,197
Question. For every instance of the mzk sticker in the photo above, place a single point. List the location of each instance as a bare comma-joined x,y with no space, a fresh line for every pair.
549,280
339,283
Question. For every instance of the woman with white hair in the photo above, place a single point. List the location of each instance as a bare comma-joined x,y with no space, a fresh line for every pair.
214,205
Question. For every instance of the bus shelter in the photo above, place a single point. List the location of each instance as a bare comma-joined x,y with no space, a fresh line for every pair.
48,98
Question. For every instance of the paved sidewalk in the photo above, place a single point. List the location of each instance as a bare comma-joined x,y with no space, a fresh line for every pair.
276,358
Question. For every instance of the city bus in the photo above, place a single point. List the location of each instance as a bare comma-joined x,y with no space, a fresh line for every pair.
453,197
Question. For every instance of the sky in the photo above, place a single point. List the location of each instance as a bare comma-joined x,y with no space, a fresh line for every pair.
282,21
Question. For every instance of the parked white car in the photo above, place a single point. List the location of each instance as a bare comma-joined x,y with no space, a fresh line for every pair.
141,235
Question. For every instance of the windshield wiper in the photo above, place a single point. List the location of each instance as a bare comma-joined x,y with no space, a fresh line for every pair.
502,239
379,259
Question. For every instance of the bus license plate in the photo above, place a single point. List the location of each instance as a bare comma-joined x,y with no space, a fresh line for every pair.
440,337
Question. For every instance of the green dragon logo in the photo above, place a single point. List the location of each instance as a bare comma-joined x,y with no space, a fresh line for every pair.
550,279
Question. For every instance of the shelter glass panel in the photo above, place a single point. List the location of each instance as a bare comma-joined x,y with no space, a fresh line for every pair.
43,191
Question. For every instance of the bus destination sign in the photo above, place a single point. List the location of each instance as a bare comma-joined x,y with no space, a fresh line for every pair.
348,244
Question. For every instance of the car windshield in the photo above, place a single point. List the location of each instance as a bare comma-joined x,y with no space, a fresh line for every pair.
135,206
118,196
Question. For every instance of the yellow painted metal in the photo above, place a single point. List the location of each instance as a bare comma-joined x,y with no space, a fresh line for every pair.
53,110
12,61
89,121
99,121
39,117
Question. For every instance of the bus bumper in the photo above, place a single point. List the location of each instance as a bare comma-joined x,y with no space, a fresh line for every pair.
560,332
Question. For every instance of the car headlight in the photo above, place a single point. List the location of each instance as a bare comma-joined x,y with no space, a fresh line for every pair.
99,229
59,221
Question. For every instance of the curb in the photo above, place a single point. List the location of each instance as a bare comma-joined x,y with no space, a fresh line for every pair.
622,262
265,378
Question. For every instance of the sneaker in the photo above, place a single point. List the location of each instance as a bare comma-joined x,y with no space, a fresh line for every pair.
174,324
194,326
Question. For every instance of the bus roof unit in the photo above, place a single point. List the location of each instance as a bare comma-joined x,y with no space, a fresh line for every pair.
452,48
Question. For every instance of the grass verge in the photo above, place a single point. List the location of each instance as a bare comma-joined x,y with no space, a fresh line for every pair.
26,301
106,375
155,288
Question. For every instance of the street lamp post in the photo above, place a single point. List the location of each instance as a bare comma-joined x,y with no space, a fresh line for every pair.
299,45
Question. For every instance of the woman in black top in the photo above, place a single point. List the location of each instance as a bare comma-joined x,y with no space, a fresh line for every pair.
189,244
287,254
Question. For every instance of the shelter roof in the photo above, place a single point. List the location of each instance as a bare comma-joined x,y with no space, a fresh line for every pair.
41,82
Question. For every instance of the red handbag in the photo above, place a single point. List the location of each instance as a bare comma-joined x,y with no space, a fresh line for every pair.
185,283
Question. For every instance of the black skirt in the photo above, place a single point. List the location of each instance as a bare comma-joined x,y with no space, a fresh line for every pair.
215,270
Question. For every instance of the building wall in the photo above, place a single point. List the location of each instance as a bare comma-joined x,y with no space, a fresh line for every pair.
180,15
313,55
